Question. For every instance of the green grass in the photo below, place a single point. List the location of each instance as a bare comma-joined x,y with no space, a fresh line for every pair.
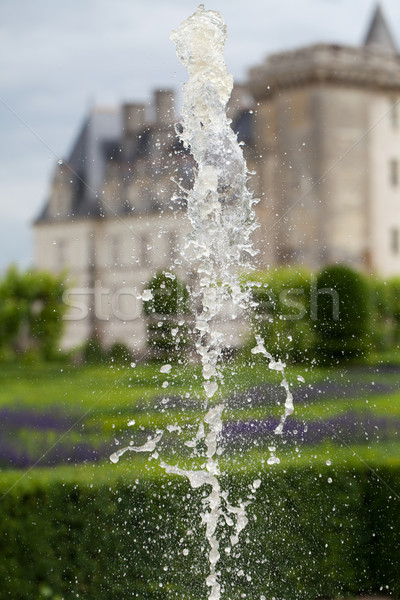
101,400
313,491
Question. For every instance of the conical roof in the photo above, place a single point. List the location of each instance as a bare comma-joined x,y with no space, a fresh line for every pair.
379,34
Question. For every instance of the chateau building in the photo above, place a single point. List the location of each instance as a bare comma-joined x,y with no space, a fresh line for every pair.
321,129
328,134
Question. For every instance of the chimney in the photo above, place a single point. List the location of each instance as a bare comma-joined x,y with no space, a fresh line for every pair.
164,101
134,118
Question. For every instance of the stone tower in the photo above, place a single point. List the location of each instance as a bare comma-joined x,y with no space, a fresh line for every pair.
328,134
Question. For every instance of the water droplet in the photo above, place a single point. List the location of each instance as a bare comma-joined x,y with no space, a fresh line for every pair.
147,295
210,388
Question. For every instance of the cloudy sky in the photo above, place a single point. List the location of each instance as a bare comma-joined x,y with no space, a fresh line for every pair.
57,59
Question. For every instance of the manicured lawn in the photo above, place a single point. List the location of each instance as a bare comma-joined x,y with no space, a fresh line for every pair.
56,414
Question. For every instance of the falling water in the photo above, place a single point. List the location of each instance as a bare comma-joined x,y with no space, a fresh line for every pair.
221,212
220,209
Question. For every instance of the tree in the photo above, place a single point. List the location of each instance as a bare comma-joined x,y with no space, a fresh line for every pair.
31,311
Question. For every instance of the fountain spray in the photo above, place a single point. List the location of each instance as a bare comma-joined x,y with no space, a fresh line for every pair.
221,212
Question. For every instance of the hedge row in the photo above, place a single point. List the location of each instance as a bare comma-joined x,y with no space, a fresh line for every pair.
165,313
334,315
313,532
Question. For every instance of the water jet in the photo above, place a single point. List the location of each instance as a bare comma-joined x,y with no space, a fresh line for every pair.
220,209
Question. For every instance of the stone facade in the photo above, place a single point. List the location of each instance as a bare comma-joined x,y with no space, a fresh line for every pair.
321,128
114,217
327,130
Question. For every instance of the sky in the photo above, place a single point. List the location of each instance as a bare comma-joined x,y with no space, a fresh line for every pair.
59,59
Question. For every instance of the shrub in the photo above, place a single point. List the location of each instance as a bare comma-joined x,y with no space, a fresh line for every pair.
31,311
381,324
93,352
394,291
342,318
120,353
281,315
166,313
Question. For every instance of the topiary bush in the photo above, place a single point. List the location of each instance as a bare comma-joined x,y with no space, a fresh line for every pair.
341,315
31,313
394,293
282,312
93,352
166,314
120,353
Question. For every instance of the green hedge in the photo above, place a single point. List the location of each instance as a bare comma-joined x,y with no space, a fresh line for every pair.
165,312
384,313
314,532
31,311
295,313
282,314
342,322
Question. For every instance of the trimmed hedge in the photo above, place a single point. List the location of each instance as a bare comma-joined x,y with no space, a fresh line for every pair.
31,311
384,313
343,321
313,532
282,314
165,315
296,313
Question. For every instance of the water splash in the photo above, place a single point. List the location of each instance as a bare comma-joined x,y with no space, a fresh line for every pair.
276,365
221,212
220,207
149,446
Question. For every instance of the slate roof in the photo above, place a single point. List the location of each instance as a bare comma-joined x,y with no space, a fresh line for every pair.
379,34
100,141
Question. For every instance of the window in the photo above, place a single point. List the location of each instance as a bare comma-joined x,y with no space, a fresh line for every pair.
394,240
114,250
145,250
394,113
173,247
60,254
394,172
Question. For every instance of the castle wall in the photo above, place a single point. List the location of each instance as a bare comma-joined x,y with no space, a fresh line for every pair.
290,149
67,249
325,148
341,177
108,263
384,177
315,174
